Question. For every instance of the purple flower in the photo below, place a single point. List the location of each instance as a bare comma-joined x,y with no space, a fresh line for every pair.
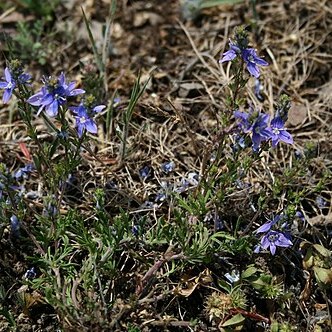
88,110
254,122
260,131
145,172
54,94
168,167
279,133
10,84
231,54
252,60
272,240
84,114
23,172
320,202
84,122
243,120
160,197
249,56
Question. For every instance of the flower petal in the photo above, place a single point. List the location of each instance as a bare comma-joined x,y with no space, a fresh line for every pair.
6,95
228,56
265,242
76,92
273,248
52,109
23,78
80,127
282,241
277,123
99,108
35,99
77,109
265,227
253,69
257,249
62,79
71,86
286,137
261,62
91,126
8,75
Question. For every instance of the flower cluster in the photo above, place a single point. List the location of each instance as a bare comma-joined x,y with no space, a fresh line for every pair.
258,125
240,48
14,76
271,238
52,96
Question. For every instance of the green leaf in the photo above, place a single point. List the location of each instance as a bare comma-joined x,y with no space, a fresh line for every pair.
322,275
235,320
322,250
274,326
308,260
251,270
98,58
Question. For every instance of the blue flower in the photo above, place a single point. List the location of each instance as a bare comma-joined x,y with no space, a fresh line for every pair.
279,133
23,172
135,230
244,122
54,94
252,60
84,113
230,54
168,167
249,56
272,240
256,123
260,131
239,143
10,84
145,172
84,122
